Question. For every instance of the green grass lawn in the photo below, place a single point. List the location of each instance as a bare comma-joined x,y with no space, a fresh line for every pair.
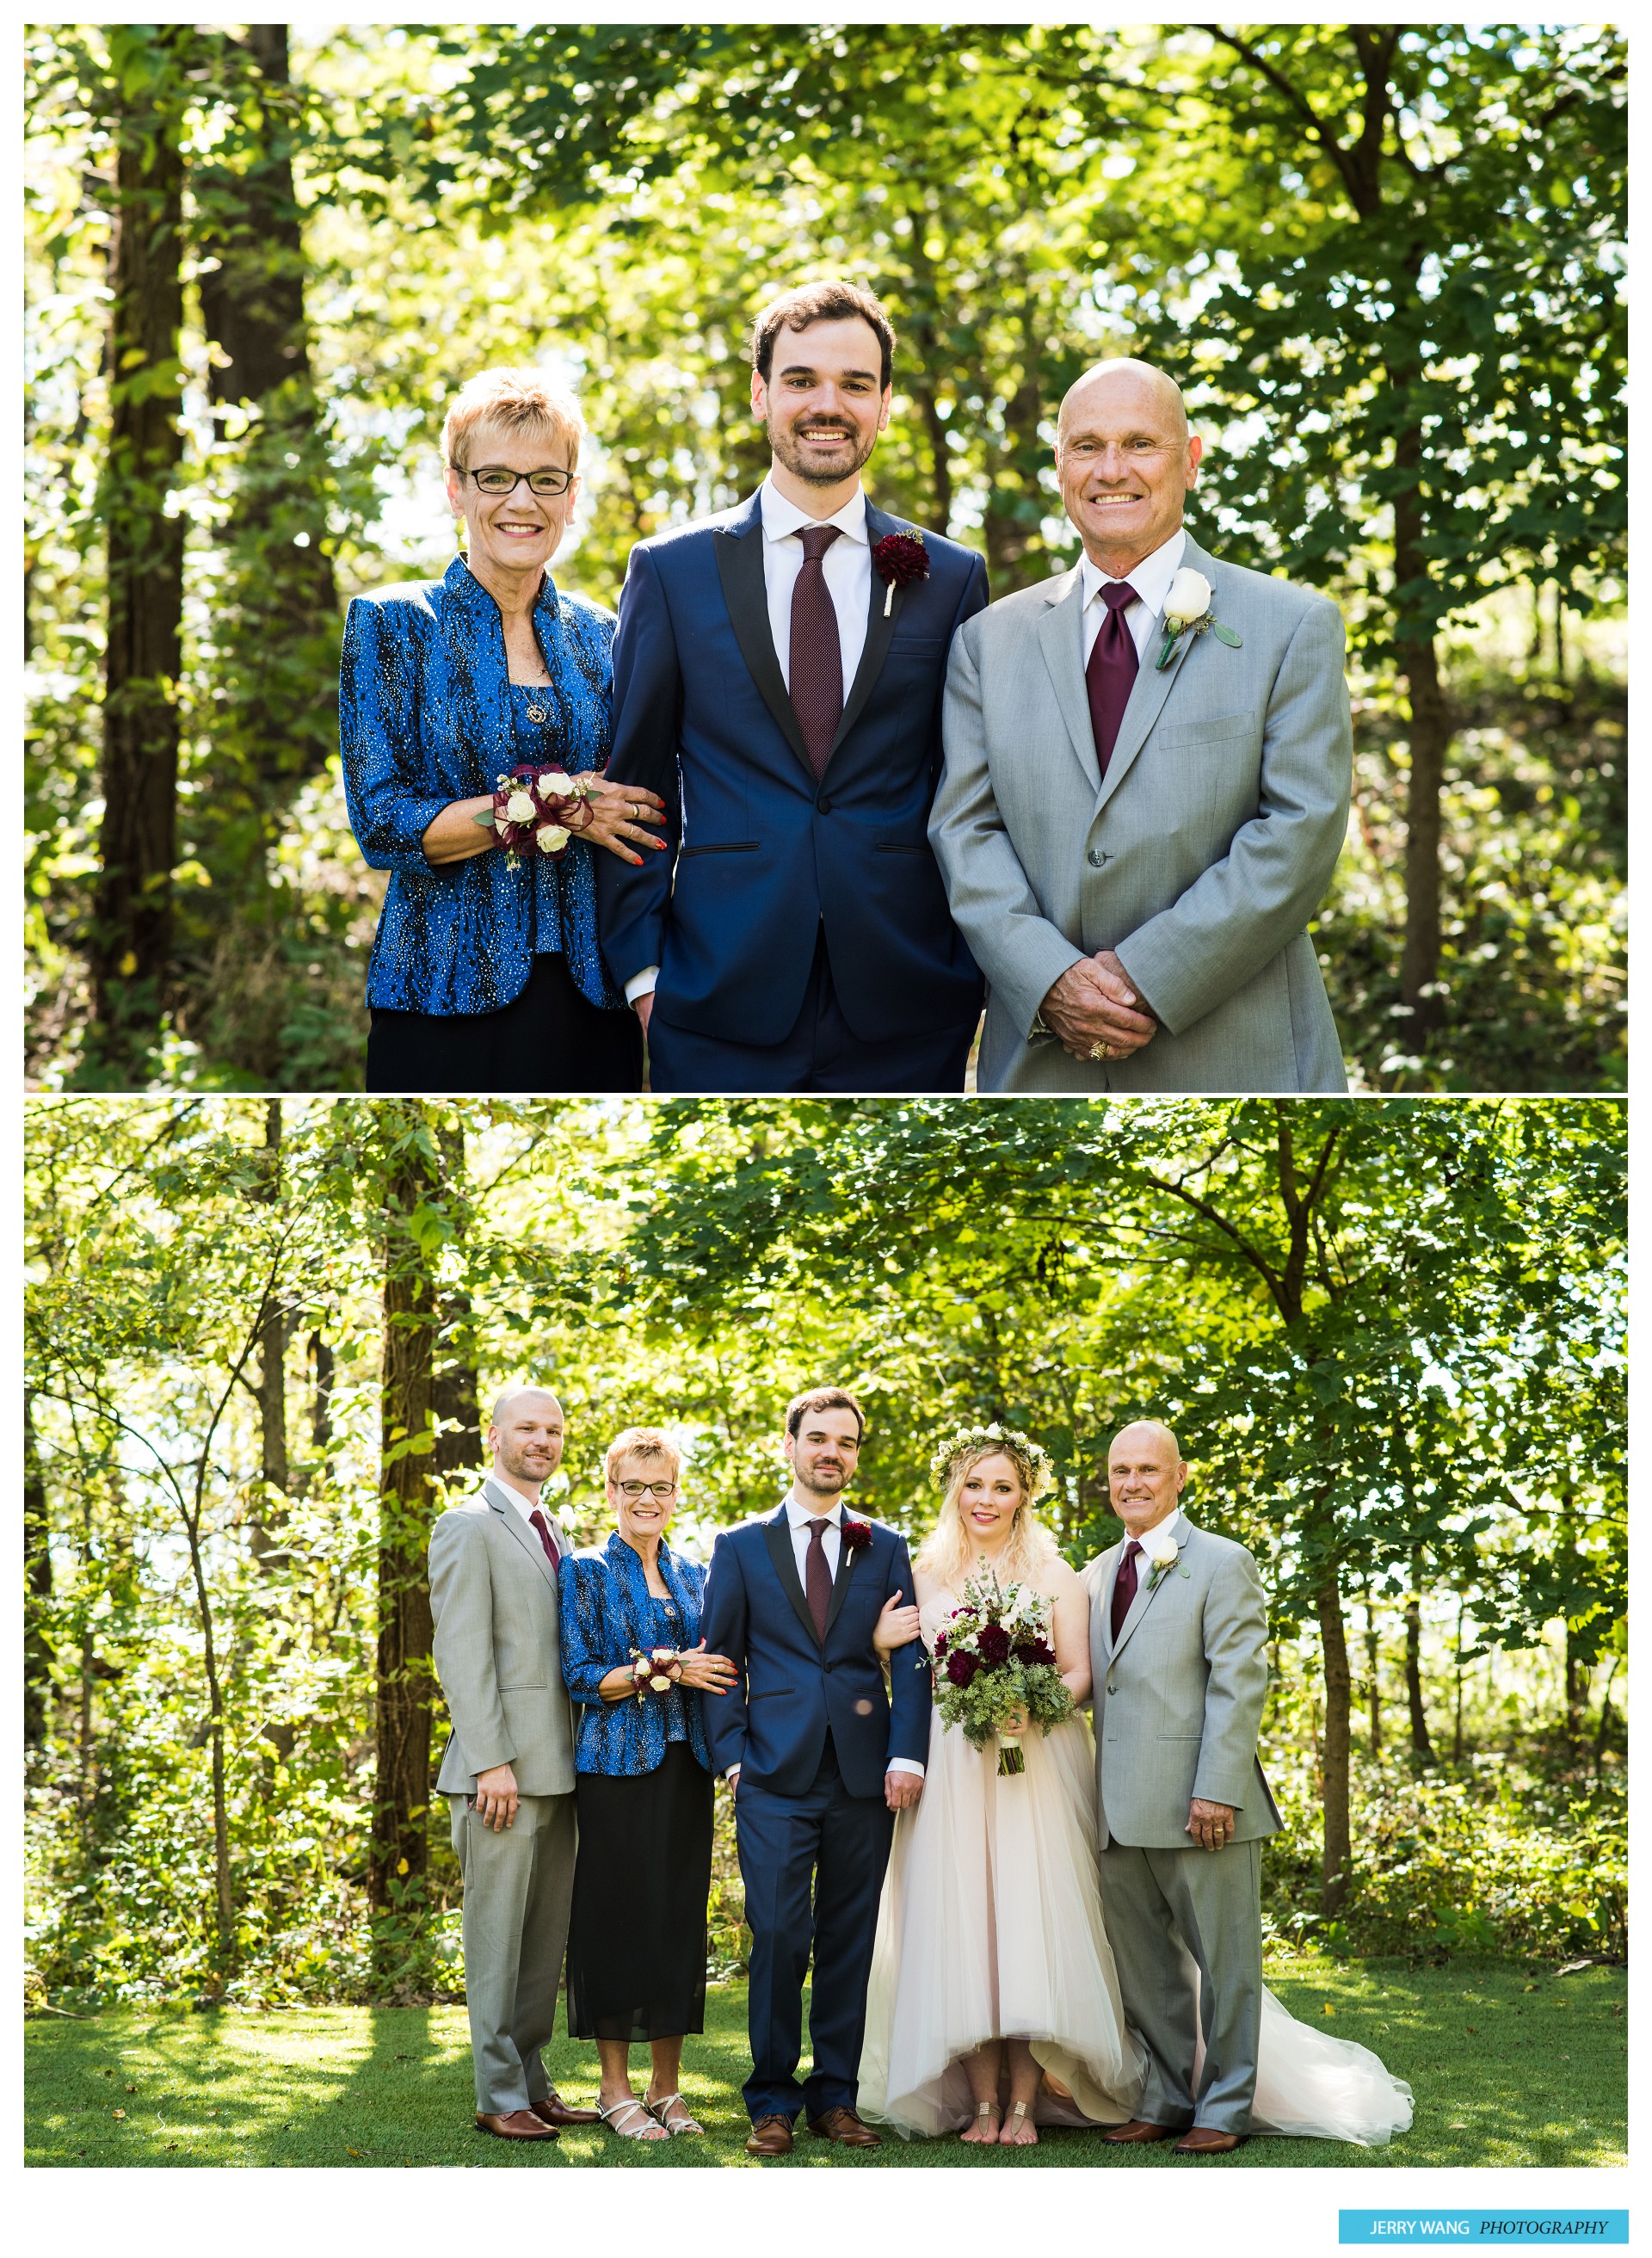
1506,2069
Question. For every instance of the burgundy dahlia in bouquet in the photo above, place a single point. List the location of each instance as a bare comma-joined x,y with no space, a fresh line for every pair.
995,1674
537,811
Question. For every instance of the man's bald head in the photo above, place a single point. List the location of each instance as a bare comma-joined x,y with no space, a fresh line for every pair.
1117,382
525,1437
1144,1474
504,1402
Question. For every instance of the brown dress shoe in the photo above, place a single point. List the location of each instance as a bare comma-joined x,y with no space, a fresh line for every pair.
553,2110
1205,2141
845,2128
770,2136
514,2125
1138,2132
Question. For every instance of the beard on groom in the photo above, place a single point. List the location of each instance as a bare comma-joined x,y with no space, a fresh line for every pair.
819,1756
1179,1661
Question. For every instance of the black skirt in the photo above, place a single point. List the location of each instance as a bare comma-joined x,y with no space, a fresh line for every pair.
636,1936
548,1040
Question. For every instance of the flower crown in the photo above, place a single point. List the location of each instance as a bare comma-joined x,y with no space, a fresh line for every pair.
976,1442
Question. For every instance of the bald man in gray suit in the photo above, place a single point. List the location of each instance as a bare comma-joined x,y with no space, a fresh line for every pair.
508,1770
1179,1662
1134,851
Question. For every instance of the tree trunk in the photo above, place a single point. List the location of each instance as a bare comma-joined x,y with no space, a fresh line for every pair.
1430,741
398,1853
321,1417
130,941
1421,1746
1336,1871
1373,1688
1605,1717
1457,1722
38,1654
273,1462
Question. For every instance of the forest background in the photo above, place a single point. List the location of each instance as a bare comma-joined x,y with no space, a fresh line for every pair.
260,1331
1386,262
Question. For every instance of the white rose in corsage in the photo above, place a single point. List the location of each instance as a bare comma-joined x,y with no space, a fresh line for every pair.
656,1671
1187,612
552,838
1163,1552
520,808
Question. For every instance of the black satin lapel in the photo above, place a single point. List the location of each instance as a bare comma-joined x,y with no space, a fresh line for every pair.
740,567
839,1582
880,630
778,1538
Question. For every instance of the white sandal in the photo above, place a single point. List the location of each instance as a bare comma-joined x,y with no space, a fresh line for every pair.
616,2110
661,2112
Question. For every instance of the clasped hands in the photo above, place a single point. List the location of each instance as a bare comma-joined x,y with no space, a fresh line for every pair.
1092,1006
1210,1824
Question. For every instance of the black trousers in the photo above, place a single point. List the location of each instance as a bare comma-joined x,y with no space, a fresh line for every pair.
547,1040
636,1940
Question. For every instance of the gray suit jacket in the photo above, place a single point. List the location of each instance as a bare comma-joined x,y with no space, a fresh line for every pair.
1178,1702
499,1648
1198,860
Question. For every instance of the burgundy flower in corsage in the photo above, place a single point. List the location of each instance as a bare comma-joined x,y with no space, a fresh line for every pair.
656,1669
855,1536
900,557
537,811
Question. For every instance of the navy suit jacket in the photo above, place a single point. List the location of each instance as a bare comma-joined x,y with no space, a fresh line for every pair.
759,852
792,1686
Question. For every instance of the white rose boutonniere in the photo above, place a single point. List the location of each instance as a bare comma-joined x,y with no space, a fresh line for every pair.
1163,1552
1187,612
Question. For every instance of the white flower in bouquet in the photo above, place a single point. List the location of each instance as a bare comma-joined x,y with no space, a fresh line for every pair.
550,837
1189,598
520,808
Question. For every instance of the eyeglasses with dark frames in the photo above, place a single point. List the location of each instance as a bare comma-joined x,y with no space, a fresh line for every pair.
633,1490
495,479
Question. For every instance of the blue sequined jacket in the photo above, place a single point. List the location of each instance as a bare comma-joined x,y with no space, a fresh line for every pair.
426,718
608,1613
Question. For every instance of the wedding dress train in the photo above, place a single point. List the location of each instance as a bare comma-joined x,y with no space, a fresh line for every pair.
991,1924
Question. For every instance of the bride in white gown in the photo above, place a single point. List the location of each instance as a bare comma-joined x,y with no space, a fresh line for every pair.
993,2003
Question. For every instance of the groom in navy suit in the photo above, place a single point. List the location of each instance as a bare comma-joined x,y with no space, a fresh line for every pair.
819,1758
777,678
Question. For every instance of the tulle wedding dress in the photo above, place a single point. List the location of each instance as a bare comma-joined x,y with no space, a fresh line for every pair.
990,1925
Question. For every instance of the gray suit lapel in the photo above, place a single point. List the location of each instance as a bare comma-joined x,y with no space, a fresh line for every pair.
1061,639
525,1536
1152,688
1148,1587
738,551
778,1538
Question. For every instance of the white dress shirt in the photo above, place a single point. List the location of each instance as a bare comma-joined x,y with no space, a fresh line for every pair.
1150,580
524,1507
799,1516
848,567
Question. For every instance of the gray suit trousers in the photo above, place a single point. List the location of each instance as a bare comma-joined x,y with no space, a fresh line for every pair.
517,1885
1186,1929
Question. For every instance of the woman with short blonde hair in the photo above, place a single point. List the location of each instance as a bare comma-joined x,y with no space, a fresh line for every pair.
485,974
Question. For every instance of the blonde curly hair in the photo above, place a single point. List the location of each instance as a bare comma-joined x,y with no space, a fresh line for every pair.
948,1554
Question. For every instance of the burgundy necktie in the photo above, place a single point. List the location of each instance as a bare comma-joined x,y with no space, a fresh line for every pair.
817,656
1124,1588
817,1578
546,1540
1110,675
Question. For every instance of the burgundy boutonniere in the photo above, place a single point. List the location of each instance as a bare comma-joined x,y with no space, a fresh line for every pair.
855,1535
900,557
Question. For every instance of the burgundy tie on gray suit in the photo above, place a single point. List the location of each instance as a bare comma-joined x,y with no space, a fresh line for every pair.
1110,675
542,1528
817,656
1124,1588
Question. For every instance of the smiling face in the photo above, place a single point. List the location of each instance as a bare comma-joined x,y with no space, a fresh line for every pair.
823,1452
641,1520
1145,1475
518,532
525,1437
1126,461
989,1498
823,404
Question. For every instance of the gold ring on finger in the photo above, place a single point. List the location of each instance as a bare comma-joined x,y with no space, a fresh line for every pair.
1101,1050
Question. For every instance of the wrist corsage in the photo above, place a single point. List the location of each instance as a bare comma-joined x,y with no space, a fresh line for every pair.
537,811
900,557
656,1671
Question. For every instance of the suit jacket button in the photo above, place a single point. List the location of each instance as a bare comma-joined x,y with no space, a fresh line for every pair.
1095,858
825,807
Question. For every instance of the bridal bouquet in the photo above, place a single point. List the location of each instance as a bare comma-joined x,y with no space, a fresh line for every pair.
537,811
994,1668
